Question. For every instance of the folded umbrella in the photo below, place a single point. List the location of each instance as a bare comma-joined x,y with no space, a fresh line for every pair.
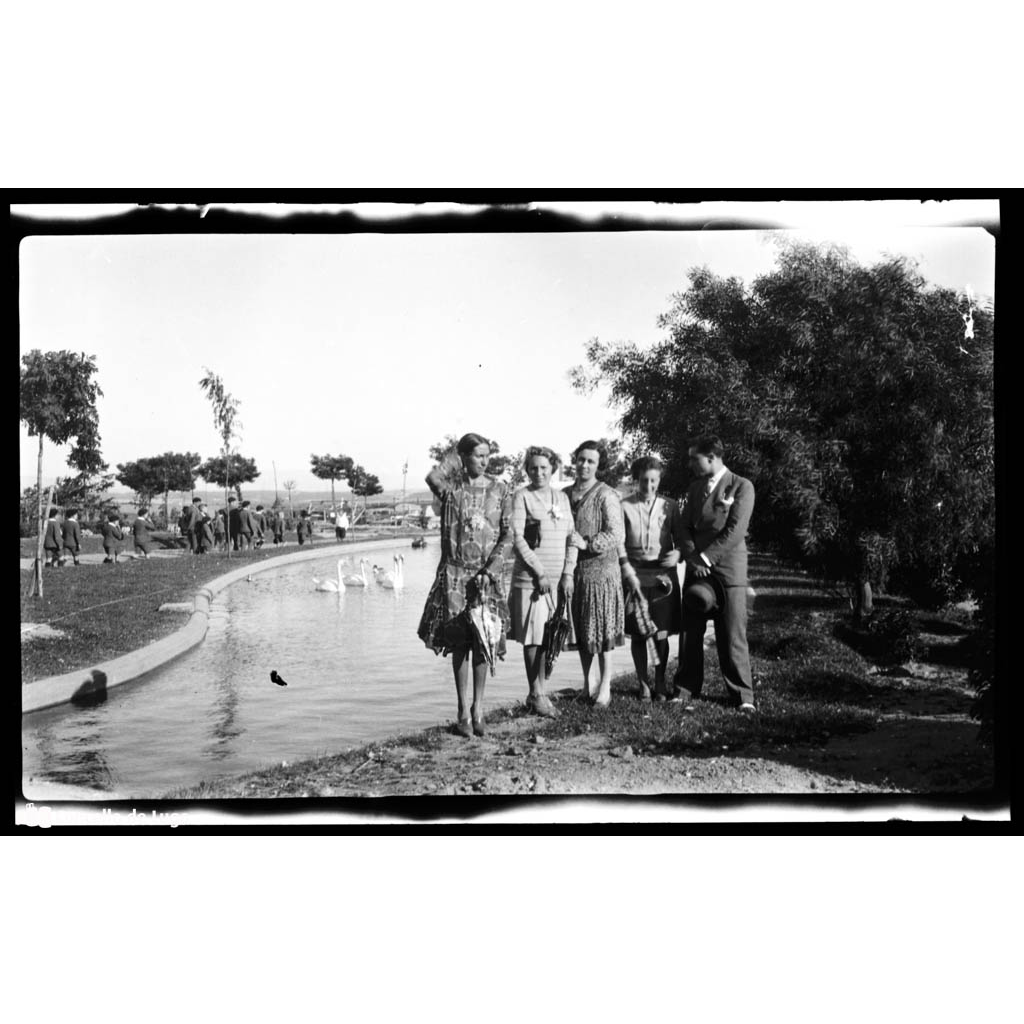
557,631
645,624
484,621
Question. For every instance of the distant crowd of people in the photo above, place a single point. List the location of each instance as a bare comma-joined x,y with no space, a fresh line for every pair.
238,526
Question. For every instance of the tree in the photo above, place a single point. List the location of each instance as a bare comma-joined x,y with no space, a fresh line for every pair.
496,464
58,401
289,486
84,491
225,415
363,484
331,467
160,474
231,472
848,394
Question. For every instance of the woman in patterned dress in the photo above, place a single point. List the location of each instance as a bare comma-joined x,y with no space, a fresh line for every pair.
653,535
541,526
598,607
476,541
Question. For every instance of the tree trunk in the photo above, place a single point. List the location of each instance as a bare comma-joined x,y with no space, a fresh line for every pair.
227,507
37,582
863,606
334,504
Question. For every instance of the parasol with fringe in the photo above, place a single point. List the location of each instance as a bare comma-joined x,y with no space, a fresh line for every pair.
557,631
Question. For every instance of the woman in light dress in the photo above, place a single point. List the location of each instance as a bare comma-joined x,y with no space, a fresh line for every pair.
542,577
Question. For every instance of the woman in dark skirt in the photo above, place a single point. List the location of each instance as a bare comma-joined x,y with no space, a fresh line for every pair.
476,541
652,526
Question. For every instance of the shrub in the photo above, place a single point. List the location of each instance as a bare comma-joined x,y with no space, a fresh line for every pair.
898,636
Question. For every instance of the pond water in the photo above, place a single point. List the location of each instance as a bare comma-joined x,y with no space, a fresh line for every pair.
356,673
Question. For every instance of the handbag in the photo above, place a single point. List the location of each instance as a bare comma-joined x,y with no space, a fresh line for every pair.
531,533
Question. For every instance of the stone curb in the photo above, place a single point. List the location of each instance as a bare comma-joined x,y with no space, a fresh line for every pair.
89,685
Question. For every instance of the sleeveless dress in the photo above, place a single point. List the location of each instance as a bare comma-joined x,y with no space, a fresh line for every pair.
598,606
476,533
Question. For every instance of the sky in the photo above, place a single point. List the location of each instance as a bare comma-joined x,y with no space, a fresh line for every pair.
377,345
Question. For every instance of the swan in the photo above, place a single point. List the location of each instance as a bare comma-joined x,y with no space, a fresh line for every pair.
393,580
352,580
330,586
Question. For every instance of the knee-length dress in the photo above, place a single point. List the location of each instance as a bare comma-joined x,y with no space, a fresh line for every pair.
541,524
653,532
598,606
476,533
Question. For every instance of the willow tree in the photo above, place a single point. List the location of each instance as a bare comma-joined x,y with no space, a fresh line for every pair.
58,403
225,413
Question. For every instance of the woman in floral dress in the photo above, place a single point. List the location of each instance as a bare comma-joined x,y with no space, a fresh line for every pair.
541,526
476,541
598,607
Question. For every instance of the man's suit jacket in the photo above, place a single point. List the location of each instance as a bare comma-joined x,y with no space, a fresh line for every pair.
72,535
716,527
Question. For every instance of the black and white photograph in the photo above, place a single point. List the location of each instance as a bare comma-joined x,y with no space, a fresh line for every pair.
475,510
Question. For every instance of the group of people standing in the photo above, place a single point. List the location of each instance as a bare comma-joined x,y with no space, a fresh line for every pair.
610,566
246,527
63,537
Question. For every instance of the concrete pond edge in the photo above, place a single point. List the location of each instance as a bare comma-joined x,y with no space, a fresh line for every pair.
89,685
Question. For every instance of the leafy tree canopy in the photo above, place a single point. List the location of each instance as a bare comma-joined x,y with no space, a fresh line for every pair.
852,396
160,474
362,483
232,471
58,401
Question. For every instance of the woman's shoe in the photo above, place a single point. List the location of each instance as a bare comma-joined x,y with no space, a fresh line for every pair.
602,701
541,705
462,728
478,727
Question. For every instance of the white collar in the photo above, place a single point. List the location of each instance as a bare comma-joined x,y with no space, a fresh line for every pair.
717,479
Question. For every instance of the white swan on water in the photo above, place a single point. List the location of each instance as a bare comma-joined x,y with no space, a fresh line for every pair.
395,579
353,580
330,586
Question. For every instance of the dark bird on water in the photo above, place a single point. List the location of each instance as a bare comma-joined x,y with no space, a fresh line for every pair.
276,678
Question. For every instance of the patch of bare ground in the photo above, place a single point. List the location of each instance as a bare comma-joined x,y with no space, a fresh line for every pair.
829,722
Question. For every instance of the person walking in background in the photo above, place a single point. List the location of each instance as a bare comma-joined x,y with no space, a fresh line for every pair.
204,531
220,530
142,536
246,527
653,535
305,527
232,522
598,607
714,528
191,524
110,528
341,525
466,614
259,525
276,523
72,534
53,539
542,577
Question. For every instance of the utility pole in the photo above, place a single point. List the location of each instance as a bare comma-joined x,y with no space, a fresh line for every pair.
276,498
405,470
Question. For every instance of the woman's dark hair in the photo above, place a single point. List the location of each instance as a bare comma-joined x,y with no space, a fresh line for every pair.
547,453
594,446
642,465
470,441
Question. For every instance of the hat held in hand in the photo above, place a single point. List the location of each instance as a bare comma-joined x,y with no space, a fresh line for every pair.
704,595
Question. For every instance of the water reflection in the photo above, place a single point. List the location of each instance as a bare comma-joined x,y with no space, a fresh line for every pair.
355,668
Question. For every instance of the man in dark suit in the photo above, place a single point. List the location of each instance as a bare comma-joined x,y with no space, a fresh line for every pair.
715,519
190,521
72,537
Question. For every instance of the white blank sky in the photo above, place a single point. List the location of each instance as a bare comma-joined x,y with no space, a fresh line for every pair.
376,345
